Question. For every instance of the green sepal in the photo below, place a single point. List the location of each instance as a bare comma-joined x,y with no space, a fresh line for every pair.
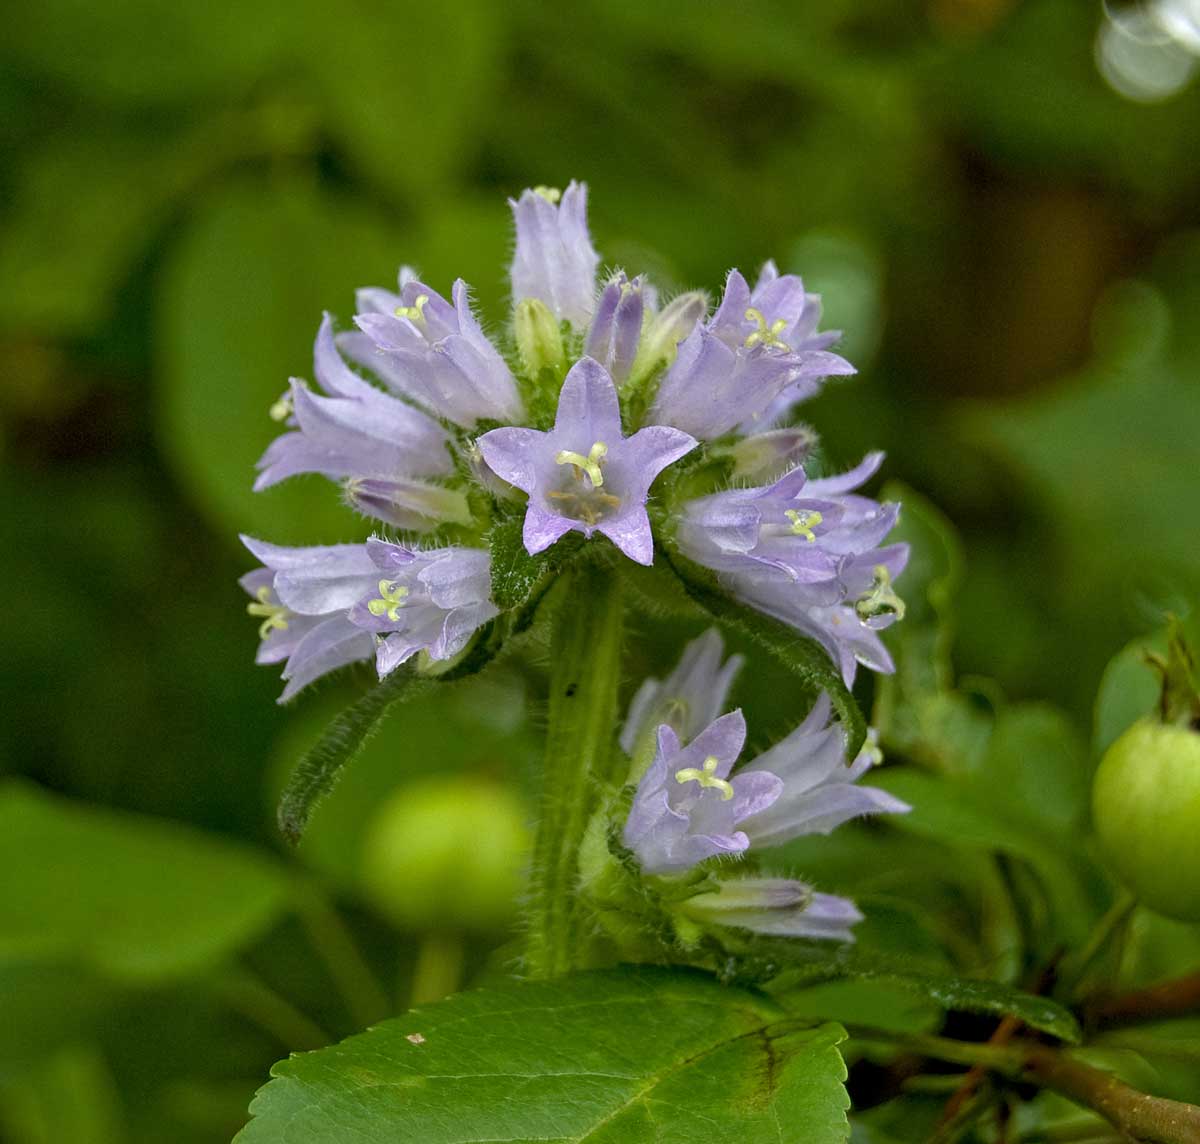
1179,703
517,577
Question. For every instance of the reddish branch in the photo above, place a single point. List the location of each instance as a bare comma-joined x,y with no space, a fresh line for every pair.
1179,997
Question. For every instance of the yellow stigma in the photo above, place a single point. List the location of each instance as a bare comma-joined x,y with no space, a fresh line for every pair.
415,312
589,464
766,335
391,599
282,409
706,777
275,616
879,599
804,521
550,194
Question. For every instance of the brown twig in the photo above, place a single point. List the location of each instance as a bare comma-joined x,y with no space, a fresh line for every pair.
1179,997
1141,1117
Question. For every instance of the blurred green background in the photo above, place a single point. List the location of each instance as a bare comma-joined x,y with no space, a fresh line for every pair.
998,200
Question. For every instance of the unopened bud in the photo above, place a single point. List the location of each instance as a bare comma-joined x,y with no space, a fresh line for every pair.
666,330
539,336
415,506
765,456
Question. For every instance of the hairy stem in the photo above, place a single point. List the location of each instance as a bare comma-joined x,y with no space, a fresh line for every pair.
585,668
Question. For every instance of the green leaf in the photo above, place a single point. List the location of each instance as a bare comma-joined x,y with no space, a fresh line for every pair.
241,300
802,656
318,771
415,140
972,813
956,994
612,1057
134,898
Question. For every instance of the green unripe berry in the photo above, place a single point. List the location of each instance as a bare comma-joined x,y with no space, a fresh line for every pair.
446,854
1146,810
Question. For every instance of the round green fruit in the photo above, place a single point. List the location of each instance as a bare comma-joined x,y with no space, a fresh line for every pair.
446,854
1146,810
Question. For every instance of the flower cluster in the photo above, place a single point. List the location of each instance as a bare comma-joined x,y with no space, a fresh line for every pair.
599,390
691,804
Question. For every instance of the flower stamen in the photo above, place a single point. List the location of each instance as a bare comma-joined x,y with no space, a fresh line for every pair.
880,599
275,616
550,194
706,777
589,464
390,600
766,335
804,521
282,409
415,312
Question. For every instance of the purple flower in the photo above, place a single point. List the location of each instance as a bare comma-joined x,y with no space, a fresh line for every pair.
686,807
617,326
356,431
433,352
806,552
772,529
779,907
584,475
554,259
819,791
850,630
430,600
730,371
689,699
302,597
792,315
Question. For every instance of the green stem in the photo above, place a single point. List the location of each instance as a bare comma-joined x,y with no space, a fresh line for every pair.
249,995
352,976
438,971
1075,972
585,667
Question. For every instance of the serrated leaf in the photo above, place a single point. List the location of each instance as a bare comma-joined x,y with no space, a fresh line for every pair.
612,1057
802,656
133,898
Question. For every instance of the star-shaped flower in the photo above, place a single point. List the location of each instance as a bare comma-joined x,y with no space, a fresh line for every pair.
584,475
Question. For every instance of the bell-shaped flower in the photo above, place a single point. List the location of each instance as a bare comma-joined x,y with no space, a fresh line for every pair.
820,791
302,597
730,371
617,326
433,352
356,430
689,699
780,907
849,630
583,474
687,808
554,259
430,600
